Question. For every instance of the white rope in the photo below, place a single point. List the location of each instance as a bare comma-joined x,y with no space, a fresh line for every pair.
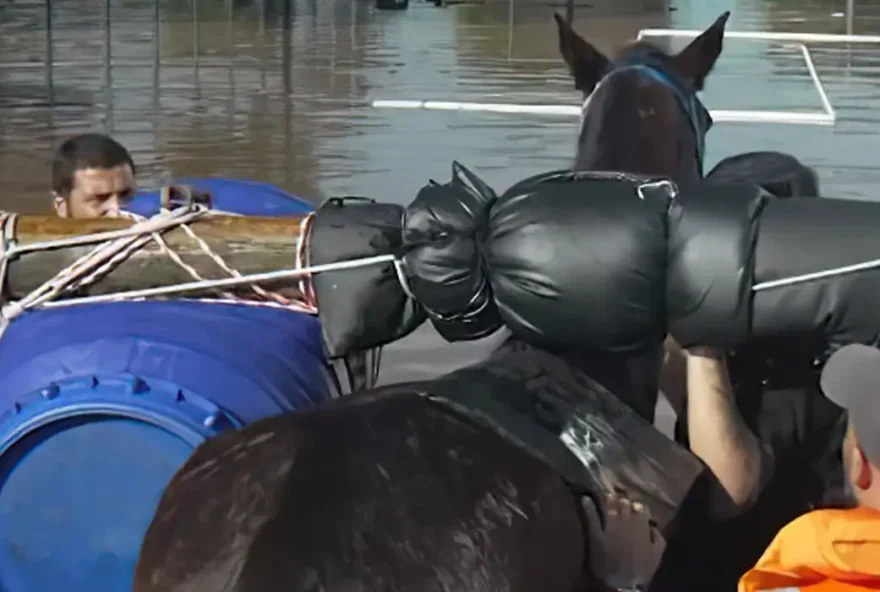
199,286
98,262
174,256
306,288
115,247
817,275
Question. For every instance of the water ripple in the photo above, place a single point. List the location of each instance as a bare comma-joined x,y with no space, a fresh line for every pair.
243,95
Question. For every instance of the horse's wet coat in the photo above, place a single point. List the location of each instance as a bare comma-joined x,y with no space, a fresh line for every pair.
380,492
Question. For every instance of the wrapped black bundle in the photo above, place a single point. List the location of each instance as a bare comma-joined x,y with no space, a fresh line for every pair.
369,307
614,262
443,232
778,173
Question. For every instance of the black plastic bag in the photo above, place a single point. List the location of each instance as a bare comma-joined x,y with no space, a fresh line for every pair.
363,307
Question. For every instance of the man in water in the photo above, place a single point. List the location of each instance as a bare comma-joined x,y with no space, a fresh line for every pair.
93,176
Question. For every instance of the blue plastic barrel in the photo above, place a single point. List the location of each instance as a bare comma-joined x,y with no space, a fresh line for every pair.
249,198
99,406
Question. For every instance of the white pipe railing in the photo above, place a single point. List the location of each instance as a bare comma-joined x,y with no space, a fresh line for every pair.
766,36
719,115
827,117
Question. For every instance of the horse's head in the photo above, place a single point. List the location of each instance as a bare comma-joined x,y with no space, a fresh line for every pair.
641,112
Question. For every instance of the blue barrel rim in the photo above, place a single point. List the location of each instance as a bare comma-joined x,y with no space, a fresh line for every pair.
192,418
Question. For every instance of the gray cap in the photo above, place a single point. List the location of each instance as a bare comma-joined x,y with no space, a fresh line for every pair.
851,379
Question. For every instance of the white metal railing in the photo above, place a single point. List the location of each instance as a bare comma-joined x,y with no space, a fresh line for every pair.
827,116
767,36
718,115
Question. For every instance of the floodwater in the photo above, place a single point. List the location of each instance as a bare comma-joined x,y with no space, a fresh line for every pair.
279,91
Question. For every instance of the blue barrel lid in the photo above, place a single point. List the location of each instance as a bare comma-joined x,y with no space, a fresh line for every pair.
102,403
248,198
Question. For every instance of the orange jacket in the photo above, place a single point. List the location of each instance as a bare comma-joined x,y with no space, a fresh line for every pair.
823,551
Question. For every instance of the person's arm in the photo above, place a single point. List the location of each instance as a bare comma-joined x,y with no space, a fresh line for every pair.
719,436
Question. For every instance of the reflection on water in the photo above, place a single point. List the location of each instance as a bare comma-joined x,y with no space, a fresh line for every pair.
278,90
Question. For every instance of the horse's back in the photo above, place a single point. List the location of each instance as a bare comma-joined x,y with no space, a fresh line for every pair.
383,483
778,173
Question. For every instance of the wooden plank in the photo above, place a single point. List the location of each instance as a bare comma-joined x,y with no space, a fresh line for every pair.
247,244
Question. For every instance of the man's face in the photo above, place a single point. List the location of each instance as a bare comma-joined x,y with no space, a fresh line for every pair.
97,193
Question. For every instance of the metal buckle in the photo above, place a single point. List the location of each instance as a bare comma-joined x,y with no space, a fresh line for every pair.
670,188
183,196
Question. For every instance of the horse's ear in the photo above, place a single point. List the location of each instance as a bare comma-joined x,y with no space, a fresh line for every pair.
697,59
586,63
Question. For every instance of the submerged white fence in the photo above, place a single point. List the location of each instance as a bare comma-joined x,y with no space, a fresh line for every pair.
826,116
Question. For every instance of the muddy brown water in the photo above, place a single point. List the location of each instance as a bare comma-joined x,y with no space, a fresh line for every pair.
279,91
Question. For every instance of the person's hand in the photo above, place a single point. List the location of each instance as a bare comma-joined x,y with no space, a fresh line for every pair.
626,551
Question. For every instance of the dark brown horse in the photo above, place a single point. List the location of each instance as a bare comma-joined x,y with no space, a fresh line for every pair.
419,488
641,115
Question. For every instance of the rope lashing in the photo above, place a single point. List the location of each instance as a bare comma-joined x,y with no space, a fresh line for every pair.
88,269
200,286
307,306
115,247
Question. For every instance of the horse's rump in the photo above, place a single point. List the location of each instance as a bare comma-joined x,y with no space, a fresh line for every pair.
215,508
471,480
381,491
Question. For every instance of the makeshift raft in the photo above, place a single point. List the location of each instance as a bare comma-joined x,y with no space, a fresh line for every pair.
101,403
